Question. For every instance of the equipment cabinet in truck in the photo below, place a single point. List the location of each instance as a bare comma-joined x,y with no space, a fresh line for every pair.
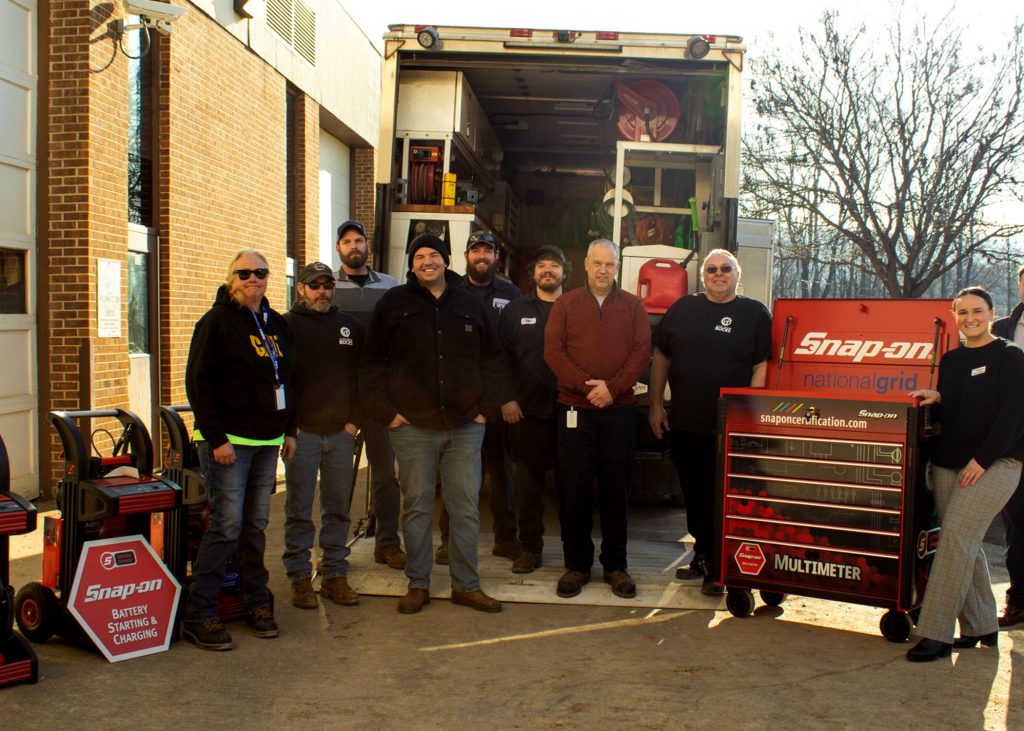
557,137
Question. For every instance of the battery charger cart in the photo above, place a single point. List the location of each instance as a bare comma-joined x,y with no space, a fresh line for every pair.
187,524
18,662
99,496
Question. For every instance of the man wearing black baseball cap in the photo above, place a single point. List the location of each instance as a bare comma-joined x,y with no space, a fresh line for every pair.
430,367
358,290
327,350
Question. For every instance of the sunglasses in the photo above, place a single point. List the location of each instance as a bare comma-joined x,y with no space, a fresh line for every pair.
724,269
244,274
315,286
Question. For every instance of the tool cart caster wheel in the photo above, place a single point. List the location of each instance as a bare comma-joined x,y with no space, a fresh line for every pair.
773,598
895,626
36,609
740,602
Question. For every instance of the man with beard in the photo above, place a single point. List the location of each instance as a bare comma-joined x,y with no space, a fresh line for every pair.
431,368
327,350
496,292
533,429
358,290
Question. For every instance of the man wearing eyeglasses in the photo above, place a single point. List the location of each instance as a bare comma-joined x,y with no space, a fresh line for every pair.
328,345
359,287
706,341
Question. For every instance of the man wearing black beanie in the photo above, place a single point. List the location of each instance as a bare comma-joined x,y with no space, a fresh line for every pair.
432,374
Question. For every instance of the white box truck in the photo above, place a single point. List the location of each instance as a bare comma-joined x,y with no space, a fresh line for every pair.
557,137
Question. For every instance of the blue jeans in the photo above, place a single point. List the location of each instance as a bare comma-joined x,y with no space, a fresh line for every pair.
421,452
385,497
331,455
239,511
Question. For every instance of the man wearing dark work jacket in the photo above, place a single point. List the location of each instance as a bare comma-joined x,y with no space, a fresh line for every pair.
1012,328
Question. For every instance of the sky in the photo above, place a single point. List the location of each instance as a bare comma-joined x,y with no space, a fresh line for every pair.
751,19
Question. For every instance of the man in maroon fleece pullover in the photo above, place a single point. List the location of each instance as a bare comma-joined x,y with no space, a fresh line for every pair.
598,343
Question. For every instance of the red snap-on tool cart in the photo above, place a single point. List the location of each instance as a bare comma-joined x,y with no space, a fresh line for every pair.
820,476
100,496
18,662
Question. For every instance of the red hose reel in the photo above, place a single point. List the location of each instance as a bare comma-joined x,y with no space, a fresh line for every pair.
647,108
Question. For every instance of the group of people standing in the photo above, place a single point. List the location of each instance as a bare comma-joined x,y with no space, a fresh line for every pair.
450,376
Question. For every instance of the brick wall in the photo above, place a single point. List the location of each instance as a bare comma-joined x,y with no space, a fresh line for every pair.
306,174
364,161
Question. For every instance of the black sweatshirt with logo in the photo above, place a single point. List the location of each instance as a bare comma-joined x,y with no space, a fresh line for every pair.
327,346
229,378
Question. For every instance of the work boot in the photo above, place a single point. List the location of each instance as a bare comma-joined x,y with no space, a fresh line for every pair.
303,595
695,572
507,549
208,634
571,583
441,554
392,555
262,623
710,587
413,601
476,600
338,591
1011,616
621,582
525,562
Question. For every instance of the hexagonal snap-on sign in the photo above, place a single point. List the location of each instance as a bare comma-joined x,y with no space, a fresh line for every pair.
750,559
124,597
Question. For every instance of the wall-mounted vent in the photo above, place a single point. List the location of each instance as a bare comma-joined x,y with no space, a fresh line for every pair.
295,22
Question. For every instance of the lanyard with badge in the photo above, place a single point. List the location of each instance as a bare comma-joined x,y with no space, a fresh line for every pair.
272,352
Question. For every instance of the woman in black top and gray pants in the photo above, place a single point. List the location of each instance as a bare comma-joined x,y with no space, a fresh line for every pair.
974,469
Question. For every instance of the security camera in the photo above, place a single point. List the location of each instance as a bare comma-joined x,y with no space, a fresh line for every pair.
153,14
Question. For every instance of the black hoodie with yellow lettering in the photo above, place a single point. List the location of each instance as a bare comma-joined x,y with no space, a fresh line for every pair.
229,378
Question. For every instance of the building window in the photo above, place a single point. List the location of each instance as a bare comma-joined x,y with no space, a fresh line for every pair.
13,290
138,303
295,22
140,133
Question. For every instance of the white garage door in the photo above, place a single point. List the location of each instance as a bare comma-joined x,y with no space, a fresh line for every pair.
335,189
18,385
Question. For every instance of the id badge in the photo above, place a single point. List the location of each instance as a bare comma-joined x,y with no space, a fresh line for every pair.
279,394
570,419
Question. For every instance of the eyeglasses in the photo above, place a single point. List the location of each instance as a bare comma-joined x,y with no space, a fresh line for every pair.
481,237
244,274
317,285
724,269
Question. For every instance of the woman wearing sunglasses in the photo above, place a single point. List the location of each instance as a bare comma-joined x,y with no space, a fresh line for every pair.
239,381
973,470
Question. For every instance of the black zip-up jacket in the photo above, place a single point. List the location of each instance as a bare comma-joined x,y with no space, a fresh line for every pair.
327,347
521,330
436,361
229,378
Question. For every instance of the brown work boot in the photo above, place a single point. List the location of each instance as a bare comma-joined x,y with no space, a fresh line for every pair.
476,600
413,601
262,623
507,549
337,590
525,562
1011,616
303,595
393,556
571,583
621,582
441,554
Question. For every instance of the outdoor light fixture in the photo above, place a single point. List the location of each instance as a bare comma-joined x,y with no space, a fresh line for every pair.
698,47
428,38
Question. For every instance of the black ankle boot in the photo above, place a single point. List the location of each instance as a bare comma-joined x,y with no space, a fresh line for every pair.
927,650
989,640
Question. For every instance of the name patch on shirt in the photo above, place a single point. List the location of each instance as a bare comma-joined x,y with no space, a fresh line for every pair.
469,328
499,303
528,321
978,371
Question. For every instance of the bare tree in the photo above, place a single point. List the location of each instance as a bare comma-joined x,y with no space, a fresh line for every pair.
899,145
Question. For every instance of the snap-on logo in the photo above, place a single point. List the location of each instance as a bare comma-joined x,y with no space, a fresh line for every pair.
819,343
98,592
